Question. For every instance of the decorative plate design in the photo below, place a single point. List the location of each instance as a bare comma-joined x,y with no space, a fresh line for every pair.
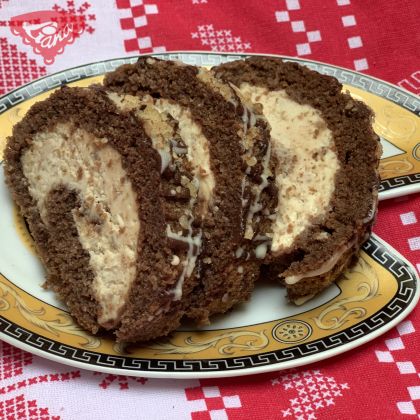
264,334
292,331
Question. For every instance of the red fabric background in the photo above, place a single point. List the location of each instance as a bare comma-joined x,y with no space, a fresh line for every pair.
380,380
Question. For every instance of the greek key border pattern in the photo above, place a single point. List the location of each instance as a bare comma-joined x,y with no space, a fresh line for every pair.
56,80
367,83
407,287
399,181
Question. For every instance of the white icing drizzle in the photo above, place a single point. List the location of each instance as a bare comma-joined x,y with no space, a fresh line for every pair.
233,102
324,268
194,247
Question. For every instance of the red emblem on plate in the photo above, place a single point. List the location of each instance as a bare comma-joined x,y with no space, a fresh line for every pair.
49,31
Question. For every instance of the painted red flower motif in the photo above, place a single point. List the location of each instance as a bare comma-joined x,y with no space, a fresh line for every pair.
48,32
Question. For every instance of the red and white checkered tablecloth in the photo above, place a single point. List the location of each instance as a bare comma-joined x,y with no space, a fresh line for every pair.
380,380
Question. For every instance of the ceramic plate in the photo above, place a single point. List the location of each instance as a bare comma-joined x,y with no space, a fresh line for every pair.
262,335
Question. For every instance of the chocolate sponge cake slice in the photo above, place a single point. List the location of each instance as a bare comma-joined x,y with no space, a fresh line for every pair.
327,158
226,143
87,177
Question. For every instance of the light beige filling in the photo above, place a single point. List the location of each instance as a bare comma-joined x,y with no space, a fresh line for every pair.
107,220
305,176
198,153
160,131
155,114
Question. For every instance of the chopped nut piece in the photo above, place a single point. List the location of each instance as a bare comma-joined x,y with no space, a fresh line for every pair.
183,221
175,260
252,161
184,181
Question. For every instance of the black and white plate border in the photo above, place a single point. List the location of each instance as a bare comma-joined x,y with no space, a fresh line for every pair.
388,316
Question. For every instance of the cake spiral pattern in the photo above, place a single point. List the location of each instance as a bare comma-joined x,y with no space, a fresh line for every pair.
169,190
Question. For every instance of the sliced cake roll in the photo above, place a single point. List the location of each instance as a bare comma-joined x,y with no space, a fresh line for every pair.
224,143
327,157
112,224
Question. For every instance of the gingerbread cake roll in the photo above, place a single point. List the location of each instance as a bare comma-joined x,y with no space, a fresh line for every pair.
326,176
226,146
88,178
